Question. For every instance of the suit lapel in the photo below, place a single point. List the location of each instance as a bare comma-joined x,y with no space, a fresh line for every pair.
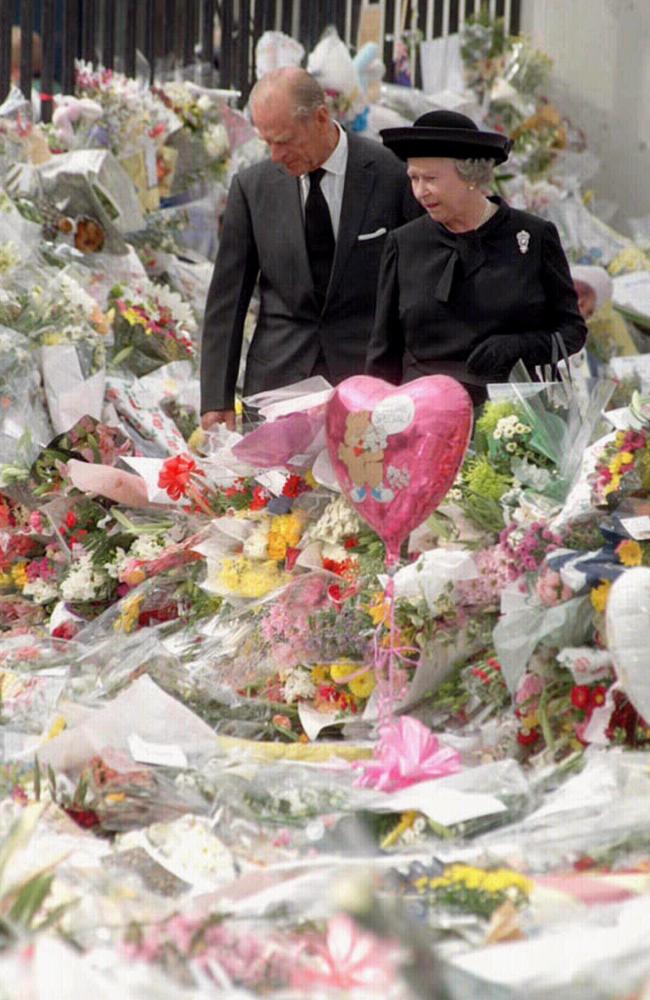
289,221
359,182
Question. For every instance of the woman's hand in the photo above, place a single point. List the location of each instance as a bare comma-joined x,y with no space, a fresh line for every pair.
496,355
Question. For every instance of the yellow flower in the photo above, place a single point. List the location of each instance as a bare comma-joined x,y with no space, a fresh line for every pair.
339,671
600,594
471,878
289,526
196,439
612,485
114,797
628,259
57,727
51,338
285,532
276,546
530,721
629,552
309,479
320,673
132,317
364,685
249,578
615,464
19,575
503,879
6,580
619,439
439,883
379,610
127,620
626,457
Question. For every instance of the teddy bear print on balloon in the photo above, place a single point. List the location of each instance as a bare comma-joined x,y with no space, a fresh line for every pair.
363,450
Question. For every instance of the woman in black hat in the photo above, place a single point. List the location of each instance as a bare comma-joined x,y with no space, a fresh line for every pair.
472,286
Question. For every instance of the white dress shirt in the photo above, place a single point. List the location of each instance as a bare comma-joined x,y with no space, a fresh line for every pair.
333,180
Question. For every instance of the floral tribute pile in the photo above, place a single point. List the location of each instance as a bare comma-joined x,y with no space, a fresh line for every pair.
198,792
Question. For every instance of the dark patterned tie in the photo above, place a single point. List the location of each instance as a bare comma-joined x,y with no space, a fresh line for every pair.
319,234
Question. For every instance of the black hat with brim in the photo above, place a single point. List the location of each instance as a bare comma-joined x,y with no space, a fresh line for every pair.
449,134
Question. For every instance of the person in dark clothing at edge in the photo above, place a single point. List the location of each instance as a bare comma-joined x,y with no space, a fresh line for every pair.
472,286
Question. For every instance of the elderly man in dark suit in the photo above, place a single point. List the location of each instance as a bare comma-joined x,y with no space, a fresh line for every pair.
310,224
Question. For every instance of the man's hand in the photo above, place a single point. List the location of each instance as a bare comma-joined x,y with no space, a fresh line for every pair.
212,417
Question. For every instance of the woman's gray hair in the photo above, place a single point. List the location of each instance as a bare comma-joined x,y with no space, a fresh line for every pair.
480,173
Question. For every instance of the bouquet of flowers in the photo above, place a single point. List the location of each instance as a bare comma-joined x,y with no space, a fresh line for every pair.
202,144
152,326
623,468
462,888
88,440
129,112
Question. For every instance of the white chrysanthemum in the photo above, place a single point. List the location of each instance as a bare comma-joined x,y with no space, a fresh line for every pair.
77,296
120,558
216,142
84,581
336,523
255,546
179,309
145,547
298,686
41,591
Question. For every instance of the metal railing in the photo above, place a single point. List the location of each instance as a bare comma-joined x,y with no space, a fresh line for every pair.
214,40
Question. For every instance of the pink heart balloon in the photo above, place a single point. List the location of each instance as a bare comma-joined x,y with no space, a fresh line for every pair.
396,449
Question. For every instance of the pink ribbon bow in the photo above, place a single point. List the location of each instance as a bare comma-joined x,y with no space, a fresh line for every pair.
407,753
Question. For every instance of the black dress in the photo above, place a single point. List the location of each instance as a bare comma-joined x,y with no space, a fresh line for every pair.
505,286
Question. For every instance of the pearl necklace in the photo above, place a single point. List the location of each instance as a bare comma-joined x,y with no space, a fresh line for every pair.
488,212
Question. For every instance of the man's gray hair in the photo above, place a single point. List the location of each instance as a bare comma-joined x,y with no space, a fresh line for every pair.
480,173
306,93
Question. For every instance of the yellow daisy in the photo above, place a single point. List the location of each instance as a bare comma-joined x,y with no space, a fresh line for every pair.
600,594
629,552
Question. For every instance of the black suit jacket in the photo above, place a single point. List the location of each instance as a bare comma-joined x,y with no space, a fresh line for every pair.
264,238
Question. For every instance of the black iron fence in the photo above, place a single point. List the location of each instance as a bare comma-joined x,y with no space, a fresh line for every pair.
213,40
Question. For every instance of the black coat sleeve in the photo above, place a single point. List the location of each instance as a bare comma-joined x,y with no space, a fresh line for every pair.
497,354
233,280
562,305
561,302
385,354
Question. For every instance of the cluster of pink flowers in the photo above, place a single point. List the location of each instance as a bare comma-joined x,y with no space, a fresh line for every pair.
527,552
286,625
496,570
40,569
246,959
550,589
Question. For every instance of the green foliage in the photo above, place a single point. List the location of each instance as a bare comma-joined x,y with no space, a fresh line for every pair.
485,481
